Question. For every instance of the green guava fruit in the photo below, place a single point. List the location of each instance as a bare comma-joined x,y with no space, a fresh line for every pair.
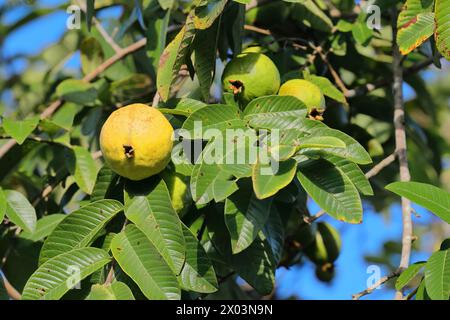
325,272
326,247
306,91
250,75
178,186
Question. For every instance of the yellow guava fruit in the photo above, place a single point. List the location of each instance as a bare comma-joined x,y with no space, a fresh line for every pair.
306,91
250,75
179,191
136,141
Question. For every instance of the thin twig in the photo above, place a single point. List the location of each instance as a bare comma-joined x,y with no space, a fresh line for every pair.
380,282
257,30
401,150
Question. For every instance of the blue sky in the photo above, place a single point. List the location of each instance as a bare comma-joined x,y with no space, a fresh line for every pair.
358,240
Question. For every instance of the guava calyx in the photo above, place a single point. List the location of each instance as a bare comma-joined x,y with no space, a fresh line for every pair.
129,151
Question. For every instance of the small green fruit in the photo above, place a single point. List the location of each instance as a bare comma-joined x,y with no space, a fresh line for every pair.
178,186
325,272
327,245
250,75
306,91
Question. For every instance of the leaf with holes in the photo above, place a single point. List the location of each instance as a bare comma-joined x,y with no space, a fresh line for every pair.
140,260
54,278
437,275
442,33
79,228
332,190
430,197
20,211
148,206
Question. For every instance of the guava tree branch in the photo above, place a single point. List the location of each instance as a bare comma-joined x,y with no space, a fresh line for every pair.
380,282
401,149
369,174
88,78
10,290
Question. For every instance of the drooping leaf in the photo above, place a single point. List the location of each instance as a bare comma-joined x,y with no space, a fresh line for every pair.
148,206
139,258
20,211
58,275
20,130
114,291
442,34
198,273
79,228
173,57
274,232
245,216
437,275
44,227
430,197
332,190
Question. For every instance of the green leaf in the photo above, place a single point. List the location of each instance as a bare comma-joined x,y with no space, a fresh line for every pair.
332,190
83,168
106,179
256,265
156,38
437,275
407,275
20,130
411,9
320,142
422,292
271,112
139,259
205,50
91,55
198,273
442,34
206,15
328,89
353,172
430,197
3,204
274,232
173,57
416,32
267,181
20,211
360,31
77,91
245,216
134,87
90,11
114,291
148,206
166,4
354,151
44,227
58,275
79,228
308,13
215,116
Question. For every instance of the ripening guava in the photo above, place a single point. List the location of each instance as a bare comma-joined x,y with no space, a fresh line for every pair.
250,75
327,245
306,91
179,191
136,141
